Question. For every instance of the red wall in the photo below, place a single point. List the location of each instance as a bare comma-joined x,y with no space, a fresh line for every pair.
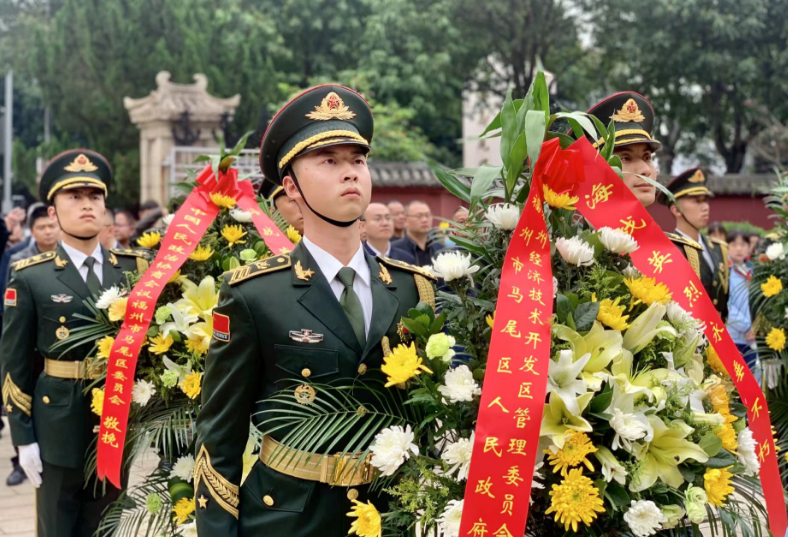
723,208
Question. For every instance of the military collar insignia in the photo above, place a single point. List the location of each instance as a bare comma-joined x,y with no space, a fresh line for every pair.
60,263
112,259
305,336
62,299
81,164
629,113
332,107
697,177
302,274
384,275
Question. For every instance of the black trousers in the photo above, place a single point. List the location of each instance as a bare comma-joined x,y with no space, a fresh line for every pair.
65,508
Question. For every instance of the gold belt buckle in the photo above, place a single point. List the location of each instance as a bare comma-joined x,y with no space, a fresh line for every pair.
332,474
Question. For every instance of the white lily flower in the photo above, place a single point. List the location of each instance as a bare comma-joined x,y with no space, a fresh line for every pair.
180,322
611,468
562,378
775,251
646,327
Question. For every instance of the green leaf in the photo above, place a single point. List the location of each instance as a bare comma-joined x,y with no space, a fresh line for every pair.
415,327
495,124
711,444
508,128
234,263
516,163
578,119
722,460
534,134
600,403
617,494
484,177
541,94
452,184
585,315
563,307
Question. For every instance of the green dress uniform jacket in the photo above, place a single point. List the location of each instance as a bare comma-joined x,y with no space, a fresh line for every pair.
715,283
262,306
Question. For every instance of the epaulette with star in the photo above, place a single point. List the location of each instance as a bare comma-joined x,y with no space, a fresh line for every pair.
675,237
407,267
258,268
35,260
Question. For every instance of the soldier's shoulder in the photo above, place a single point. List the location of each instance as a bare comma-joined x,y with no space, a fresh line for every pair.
406,267
34,260
718,242
129,253
680,239
261,267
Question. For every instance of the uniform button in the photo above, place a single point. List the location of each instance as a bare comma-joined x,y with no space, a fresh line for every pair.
352,494
45,399
269,501
715,301
362,369
714,284
62,319
306,372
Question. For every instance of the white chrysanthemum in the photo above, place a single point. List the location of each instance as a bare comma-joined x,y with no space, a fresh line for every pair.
188,530
629,428
746,451
504,216
458,455
167,220
142,392
575,251
449,521
239,215
775,251
452,266
617,241
644,518
630,272
108,297
460,385
184,468
391,448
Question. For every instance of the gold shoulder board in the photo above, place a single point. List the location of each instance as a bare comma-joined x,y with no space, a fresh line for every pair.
35,260
413,269
258,268
718,241
684,240
128,253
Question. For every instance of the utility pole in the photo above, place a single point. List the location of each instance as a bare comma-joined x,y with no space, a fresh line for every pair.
8,139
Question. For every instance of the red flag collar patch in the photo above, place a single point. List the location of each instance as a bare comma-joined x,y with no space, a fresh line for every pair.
10,297
221,327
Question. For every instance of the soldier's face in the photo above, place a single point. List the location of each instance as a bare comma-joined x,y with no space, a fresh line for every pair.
289,210
334,180
637,159
695,210
79,211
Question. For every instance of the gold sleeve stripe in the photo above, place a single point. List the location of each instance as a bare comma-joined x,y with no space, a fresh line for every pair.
21,400
224,492
693,258
426,290
142,265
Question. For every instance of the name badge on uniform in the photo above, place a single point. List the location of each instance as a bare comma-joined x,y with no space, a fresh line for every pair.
10,297
305,336
221,327
62,299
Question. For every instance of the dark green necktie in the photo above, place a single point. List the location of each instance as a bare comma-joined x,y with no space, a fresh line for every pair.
94,285
351,304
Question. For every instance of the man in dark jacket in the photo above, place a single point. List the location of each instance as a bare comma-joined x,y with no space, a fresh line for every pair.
417,237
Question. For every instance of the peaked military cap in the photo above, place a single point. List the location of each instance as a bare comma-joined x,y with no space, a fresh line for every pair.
271,191
689,183
632,115
319,117
76,168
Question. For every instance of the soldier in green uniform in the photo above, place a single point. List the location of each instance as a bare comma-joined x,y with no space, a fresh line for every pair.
691,212
50,416
633,117
287,207
325,313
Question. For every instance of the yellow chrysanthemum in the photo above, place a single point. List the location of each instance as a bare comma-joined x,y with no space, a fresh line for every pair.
160,344
574,500
97,403
490,320
104,346
197,346
559,201
150,239
577,447
713,359
182,510
233,234
176,278
191,385
647,291
220,200
201,253
117,310
776,339
717,482
367,523
721,403
402,365
293,235
727,434
610,314
771,286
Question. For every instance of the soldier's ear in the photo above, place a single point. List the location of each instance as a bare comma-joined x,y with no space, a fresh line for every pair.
288,183
51,211
674,210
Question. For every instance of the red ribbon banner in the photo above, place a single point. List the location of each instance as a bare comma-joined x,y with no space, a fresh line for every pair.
605,201
184,233
507,433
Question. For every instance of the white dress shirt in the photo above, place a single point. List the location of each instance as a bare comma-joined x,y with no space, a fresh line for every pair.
703,242
78,258
376,252
362,283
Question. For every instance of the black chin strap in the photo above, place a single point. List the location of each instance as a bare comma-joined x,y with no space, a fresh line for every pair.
71,234
331,221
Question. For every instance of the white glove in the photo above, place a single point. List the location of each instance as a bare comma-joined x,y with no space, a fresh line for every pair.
30,461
